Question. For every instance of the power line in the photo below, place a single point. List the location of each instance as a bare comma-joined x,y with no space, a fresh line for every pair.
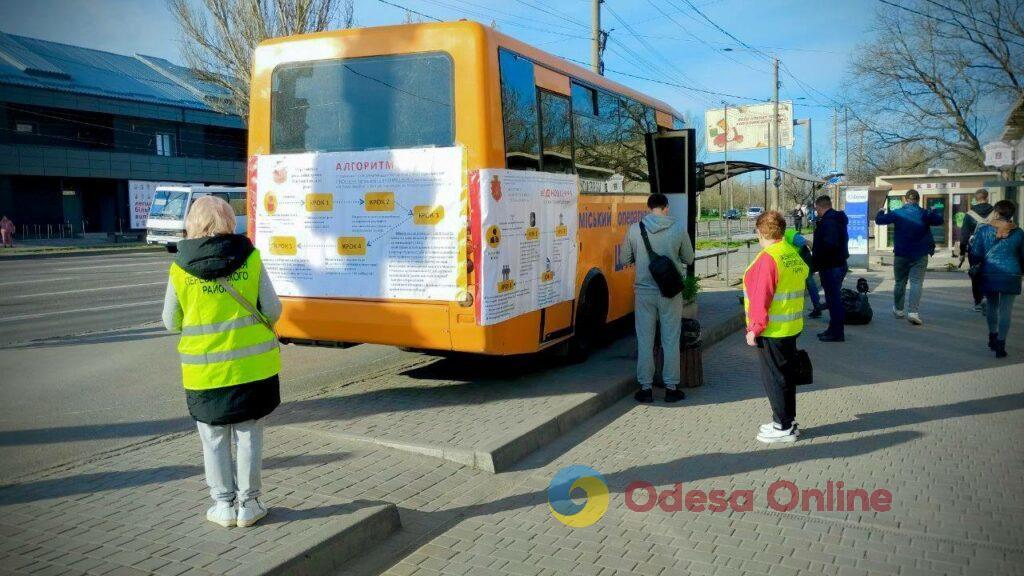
948,23
992,24
723,30
553,12
410,10
699,39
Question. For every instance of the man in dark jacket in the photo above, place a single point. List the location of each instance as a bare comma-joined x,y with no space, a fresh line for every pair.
829,253
978,214
912,244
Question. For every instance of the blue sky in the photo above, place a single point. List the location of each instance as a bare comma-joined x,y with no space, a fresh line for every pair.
813,39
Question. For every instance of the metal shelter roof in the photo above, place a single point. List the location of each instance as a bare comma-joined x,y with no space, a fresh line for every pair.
53,66
714,172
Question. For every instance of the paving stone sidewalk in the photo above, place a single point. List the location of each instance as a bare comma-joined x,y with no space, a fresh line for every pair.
140,510
925,412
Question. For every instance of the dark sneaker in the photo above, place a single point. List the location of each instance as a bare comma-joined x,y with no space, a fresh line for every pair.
816,313
1000,348
644,395
674,395
825,337
992,338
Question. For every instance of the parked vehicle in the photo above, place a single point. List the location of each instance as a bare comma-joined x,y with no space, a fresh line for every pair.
754,212
732,214
166,223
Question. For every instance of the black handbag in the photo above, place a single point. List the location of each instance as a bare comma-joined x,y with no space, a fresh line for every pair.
663,269
802,371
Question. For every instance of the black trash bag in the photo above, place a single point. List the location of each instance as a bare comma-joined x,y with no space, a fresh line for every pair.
858,308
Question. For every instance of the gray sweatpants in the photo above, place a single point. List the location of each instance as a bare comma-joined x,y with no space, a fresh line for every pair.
905,269
224,479
650,308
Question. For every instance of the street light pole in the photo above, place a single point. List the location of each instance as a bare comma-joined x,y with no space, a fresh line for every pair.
595,40
775,133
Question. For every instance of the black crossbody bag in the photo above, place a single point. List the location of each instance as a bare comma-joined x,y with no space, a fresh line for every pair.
663,269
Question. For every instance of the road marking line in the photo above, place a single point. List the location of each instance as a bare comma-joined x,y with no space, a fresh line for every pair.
106,266
93,309
35,281
121,287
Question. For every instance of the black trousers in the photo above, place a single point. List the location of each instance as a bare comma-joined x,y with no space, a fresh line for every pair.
975,284
776,354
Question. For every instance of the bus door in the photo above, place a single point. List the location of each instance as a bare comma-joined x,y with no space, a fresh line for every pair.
672,169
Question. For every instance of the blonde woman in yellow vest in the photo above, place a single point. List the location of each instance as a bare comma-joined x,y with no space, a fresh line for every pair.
773,298
220,299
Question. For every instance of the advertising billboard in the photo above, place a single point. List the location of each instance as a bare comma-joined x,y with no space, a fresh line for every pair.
747,127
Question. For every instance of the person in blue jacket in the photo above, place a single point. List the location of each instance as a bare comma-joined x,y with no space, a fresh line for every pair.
913,244
999,248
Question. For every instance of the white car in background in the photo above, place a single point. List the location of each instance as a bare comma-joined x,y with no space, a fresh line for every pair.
166,223
754,212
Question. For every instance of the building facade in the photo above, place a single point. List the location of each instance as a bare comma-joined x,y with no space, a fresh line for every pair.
85,135
949,193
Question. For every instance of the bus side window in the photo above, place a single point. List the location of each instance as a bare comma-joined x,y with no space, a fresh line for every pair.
519,112
556,134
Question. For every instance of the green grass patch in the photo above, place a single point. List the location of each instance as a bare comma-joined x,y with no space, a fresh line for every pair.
712,244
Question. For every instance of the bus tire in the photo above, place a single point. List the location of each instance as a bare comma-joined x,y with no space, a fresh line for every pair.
591,316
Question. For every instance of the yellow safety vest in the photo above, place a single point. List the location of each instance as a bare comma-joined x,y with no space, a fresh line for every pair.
221,343
786,313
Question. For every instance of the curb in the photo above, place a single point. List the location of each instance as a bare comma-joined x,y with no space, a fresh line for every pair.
83,252
337,543
504,455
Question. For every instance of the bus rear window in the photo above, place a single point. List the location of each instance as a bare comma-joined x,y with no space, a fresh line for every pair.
363,103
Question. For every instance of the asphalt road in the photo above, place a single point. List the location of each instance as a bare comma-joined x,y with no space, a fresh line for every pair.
86,367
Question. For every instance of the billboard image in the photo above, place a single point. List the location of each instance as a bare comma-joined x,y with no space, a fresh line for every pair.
747,127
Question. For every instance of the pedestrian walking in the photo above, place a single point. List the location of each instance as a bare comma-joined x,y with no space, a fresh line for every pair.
977,215
798,219
799,242
657,235
220,299
7,232
773,289
998,248
829,253
912,245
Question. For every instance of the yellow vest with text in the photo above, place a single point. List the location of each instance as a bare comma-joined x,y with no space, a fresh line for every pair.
786,313
221,343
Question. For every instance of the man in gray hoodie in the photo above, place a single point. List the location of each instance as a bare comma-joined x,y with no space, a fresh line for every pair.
670,240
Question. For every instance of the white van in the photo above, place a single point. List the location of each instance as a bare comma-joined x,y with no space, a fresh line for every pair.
166,224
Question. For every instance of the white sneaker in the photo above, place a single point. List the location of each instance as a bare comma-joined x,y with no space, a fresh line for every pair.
775,435
772,426
250,512
222,514
914,318
897,312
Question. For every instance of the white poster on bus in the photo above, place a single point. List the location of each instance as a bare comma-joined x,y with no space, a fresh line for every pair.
747,127
526,252
140,197
376,224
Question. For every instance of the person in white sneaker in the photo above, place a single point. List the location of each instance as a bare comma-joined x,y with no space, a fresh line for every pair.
773,290
220,299
912,245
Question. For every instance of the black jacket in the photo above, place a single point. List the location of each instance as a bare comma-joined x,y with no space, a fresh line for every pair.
210,258
831,241
970,225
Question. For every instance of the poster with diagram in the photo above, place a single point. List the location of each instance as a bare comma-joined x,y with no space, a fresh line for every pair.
377,224
525,225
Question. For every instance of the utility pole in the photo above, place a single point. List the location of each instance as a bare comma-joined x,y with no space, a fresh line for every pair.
808,156
596,40
725,115
846,142
775,134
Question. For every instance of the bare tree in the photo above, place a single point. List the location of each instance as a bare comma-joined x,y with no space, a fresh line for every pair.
220,36
922,84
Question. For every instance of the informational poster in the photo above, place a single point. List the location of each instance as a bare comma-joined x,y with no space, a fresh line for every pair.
856,208
384,224
526,252
140,197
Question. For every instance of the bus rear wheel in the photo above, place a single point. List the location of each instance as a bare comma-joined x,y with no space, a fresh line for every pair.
591,315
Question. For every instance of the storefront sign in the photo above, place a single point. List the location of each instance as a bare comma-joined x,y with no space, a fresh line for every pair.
526,251
375,224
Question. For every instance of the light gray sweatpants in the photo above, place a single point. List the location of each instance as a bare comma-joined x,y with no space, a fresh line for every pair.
225,480
650,308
